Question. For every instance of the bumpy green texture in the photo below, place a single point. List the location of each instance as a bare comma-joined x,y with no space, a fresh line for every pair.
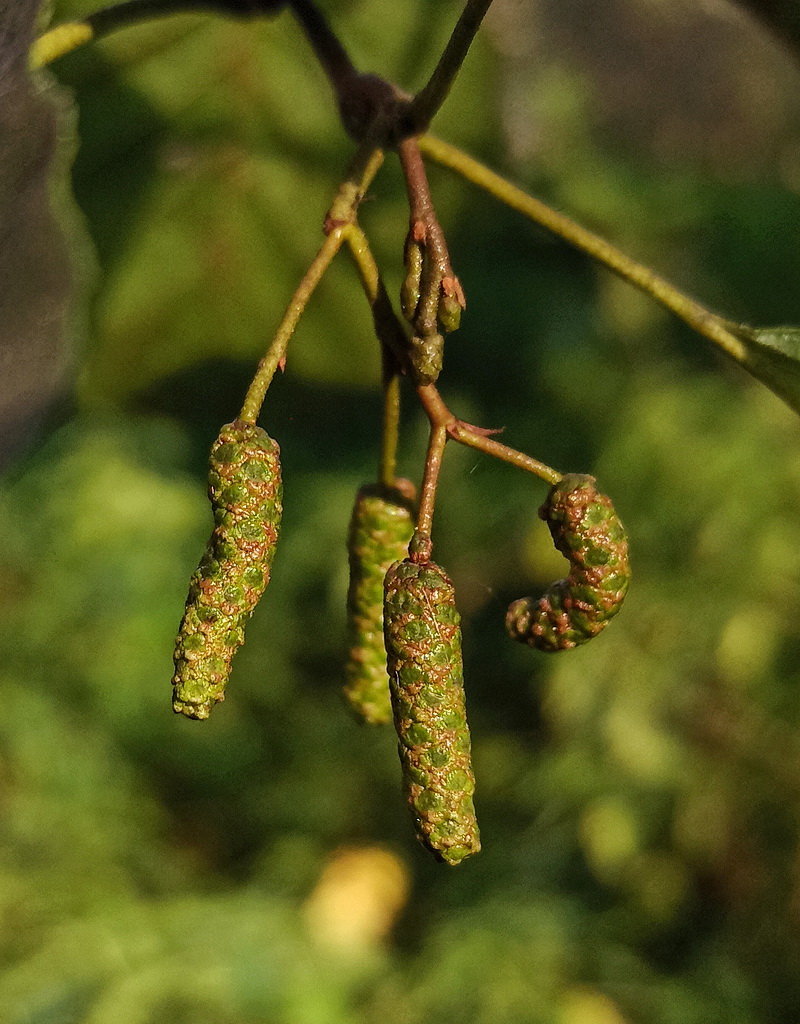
423,645
246,493
587,531
426,357
380,528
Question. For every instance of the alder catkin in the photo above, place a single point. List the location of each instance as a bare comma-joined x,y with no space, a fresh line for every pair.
381,526
586,530
423,645
246,494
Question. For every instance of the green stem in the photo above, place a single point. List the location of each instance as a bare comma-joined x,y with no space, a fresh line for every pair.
691,312
338,223
429,99
392,337
475,437
65,38
391,429
388,327
467,435
430,479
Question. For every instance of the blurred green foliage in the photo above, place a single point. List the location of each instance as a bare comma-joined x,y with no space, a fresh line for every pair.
638,797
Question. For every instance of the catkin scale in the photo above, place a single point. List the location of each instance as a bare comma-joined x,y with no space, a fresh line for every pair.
381,526
246,494
587,531
422,630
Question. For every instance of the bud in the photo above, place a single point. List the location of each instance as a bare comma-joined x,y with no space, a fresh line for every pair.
409,290
423,645
246,494
586,530
380,528
426,355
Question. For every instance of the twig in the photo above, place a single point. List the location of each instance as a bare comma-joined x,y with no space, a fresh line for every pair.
391,425
476,437
337,224
393,341
429,99
691,312
326,44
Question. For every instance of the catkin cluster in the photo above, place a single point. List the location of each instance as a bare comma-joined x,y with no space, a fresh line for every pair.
404,631
246,494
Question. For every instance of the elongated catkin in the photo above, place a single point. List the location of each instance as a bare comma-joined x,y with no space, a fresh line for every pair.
246,493
423,644
381,526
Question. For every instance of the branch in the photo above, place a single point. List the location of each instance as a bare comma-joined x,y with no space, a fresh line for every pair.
702,320
428,100
337,225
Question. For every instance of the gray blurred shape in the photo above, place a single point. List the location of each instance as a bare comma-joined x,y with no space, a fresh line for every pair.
35,275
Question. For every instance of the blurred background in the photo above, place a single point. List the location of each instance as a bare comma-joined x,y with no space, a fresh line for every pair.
639,797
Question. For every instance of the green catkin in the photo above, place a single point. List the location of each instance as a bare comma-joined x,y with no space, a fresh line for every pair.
586,530
380,528
423,645
246,494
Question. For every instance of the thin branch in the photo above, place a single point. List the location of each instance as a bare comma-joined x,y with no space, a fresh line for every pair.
392,337
691,312
429,99
390,434
465,434
388,327
337,225
476,437
326,44
430,479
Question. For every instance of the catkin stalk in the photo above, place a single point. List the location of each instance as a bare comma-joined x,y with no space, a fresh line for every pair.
246,494
423,644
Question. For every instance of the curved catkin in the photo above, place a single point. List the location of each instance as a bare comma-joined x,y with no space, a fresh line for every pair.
246,493
586,530
381,526
423,644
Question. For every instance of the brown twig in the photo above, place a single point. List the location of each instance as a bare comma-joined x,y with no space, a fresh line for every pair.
429,99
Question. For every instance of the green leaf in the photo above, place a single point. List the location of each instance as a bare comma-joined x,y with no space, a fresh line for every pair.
772,354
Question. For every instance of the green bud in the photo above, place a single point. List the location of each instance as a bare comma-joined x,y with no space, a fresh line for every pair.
448,313
588,532
426,355
380,528
422,630
246,497
409,290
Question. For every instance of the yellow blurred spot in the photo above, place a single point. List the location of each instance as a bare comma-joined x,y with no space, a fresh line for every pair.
357,899
747,644
609,838
588,1006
